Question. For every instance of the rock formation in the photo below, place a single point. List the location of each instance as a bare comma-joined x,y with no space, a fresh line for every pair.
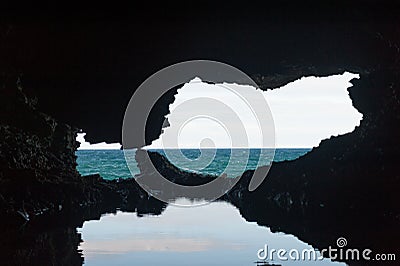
83,72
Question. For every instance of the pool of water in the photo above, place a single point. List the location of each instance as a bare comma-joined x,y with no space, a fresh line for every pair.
212,234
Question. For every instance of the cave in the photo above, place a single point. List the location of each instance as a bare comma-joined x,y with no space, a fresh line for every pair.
62,73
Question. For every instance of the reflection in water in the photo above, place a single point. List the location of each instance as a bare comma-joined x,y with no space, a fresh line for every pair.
213,234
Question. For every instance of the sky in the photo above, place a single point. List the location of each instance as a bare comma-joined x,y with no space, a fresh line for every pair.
98,146
304,112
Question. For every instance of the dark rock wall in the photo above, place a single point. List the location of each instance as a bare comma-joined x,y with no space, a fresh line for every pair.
32,141
38,173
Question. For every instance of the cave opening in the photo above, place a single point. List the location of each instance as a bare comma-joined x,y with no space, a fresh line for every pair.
304,112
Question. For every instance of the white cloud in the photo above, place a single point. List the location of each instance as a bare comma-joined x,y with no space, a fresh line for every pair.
98,146
305,112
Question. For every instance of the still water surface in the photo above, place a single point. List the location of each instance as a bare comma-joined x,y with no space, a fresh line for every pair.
212,234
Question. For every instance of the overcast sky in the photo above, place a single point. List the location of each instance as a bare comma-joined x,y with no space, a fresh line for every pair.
304,112
98,146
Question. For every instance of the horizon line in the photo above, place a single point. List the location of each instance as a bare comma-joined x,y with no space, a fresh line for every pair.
208,148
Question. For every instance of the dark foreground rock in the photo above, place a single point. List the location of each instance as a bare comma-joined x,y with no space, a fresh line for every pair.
38,164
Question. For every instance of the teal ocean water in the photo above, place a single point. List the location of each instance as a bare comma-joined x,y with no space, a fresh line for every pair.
111,164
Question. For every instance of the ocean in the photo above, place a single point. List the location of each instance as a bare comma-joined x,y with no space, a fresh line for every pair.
111,164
